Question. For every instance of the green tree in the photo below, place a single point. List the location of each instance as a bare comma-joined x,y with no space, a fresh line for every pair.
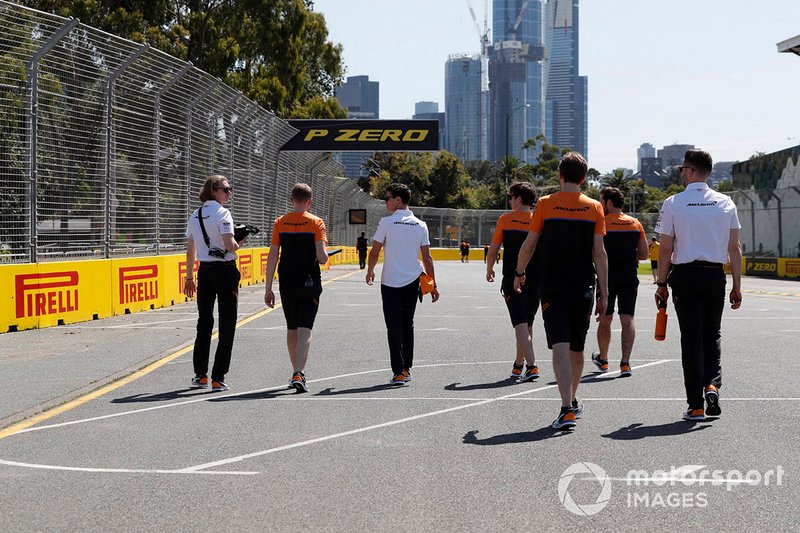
275,51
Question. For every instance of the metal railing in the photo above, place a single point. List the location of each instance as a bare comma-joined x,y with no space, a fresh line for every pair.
105,143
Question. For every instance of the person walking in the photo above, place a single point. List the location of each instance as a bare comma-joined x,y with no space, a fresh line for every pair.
626,244
568,227
699,230
297,250
653,251
510,232
209,238
403,237
361,248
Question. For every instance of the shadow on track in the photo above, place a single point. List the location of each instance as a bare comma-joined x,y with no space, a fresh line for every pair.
506,382
162,396
515,438
640,431
331,391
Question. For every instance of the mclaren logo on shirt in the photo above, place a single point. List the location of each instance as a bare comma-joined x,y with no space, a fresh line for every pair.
364,135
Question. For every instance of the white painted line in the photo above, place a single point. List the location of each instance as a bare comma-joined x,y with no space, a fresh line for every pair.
268,451
119,470
214,396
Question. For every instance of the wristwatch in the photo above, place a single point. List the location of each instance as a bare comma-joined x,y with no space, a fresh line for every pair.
517,274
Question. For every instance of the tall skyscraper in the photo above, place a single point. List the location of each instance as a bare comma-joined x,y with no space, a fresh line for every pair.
462,102
516,77
566,106
430,111
645,150
361,99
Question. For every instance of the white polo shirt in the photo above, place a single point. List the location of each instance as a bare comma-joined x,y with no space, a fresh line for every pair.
401,234
700,220
218,222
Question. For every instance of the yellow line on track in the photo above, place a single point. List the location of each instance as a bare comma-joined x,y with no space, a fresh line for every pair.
80,400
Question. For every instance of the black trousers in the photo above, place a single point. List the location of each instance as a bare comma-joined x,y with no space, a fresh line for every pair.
216,281
362,258
698,292
399,305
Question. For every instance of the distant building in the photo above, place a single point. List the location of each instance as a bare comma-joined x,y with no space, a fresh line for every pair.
462,101
652,172
645,150
361,98
723,171
516,79
430,111
423,108
672,155
566,106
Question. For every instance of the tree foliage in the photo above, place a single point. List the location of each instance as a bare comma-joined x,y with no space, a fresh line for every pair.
276,52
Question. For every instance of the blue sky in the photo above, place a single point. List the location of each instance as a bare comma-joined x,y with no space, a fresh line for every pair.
703,72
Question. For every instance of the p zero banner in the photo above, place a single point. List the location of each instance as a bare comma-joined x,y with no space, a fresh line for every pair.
761,266
364,136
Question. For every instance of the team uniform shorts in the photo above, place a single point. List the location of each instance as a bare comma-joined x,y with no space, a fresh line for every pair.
623,293
300,305
654,264
566,313
522,306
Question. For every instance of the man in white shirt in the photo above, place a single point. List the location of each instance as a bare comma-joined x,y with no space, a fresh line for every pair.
403,237
217,278
699,231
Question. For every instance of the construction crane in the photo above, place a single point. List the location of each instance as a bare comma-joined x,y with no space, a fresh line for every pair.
484,38
513,30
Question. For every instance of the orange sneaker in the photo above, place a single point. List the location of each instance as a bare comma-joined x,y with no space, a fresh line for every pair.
516,371
601,364
201,382
625,370
694,415
566,419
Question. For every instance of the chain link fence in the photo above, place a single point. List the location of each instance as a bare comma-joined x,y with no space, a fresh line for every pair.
105,143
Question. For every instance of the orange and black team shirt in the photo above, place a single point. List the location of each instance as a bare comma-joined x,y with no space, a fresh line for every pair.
297,233
623,233
567,223
511,231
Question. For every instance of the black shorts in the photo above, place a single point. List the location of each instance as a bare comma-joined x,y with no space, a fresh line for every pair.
300,305
625,293
653,264
522,306
566,313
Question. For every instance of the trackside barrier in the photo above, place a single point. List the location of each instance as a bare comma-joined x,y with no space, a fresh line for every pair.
40,295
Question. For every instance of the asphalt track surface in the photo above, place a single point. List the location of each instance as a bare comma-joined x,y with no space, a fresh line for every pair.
461,448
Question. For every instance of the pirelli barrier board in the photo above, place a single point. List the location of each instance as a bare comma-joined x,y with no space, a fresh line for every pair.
364,135
48,294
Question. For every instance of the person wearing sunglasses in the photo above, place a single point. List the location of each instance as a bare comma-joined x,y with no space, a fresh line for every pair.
209,235
403,237
699,230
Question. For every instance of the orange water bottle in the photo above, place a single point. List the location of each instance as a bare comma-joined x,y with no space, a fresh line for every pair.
661,321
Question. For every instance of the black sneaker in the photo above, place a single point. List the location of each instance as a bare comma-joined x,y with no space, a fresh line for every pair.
577,407
299,382
201,382
516,370
566,419
712,401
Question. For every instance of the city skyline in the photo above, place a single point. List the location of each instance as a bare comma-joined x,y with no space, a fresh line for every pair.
657,68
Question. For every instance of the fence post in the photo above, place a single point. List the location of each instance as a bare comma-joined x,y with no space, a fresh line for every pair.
780,223
157,143
109,142
32,77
